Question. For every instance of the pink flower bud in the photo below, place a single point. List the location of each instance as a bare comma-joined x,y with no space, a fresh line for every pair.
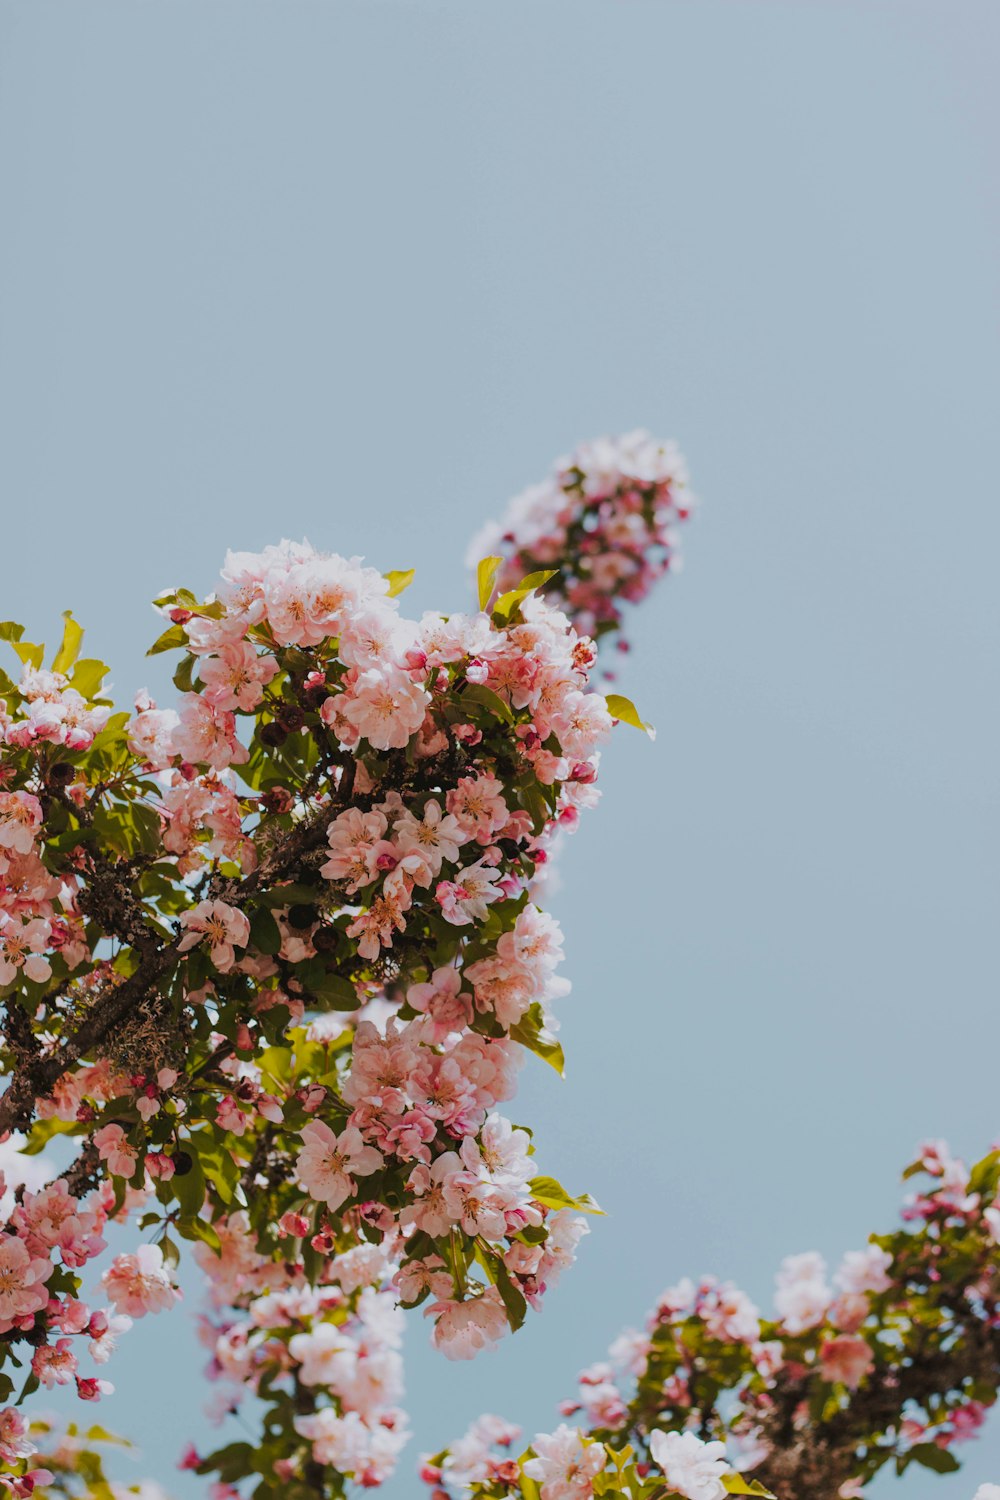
89,1389
293,1226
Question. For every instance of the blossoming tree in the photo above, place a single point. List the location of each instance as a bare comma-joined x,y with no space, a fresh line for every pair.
894,1363
269,962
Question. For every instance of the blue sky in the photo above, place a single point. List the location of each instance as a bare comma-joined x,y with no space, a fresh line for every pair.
358,272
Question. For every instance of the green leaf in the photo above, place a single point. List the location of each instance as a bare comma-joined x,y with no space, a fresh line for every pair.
547,1191
529,1487
189,1188
221,1170
69,648
625,710
514,1304
88,675
530,1032
31,655
102,1435
265,934
335,992
275,1064
486,576
985,1176
505,606
735,1484
933,1457
477,692
42,1131
183,678
170,640
230,1463
534,802
200,1229
10,630
398,581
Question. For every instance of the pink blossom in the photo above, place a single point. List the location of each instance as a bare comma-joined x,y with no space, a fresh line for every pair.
729,1315
374,638
691,1467
230,1117
536,942
581,723
151,736
327,1164
802,1295
338,1441
478,1207
846,1359
22,1283
500,1155
139,1284
435,835
376,924
431,1212
352,837
224,927
90,1389
441,1000
566,1464
849,1311
104,1333
206,735
14,1441
462,1329
20,820
54,1364
114,1148
865,1270
22,945
466,899
236,677
386,708
478,807
504,987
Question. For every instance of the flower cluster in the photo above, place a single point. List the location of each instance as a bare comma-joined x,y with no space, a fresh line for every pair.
571,1464
272,959
51,1234
333,1342
895,1358
605,521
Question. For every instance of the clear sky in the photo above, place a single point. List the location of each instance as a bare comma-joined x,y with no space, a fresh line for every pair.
358,270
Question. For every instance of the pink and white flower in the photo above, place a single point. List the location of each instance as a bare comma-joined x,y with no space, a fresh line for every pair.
22,948
328,1164
566,1464
802,1296
467,897
691,1467
235,678
116,1149
20,820
463,1329
222,926
436,836
385,707
138,1284
847,1359
22,1283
